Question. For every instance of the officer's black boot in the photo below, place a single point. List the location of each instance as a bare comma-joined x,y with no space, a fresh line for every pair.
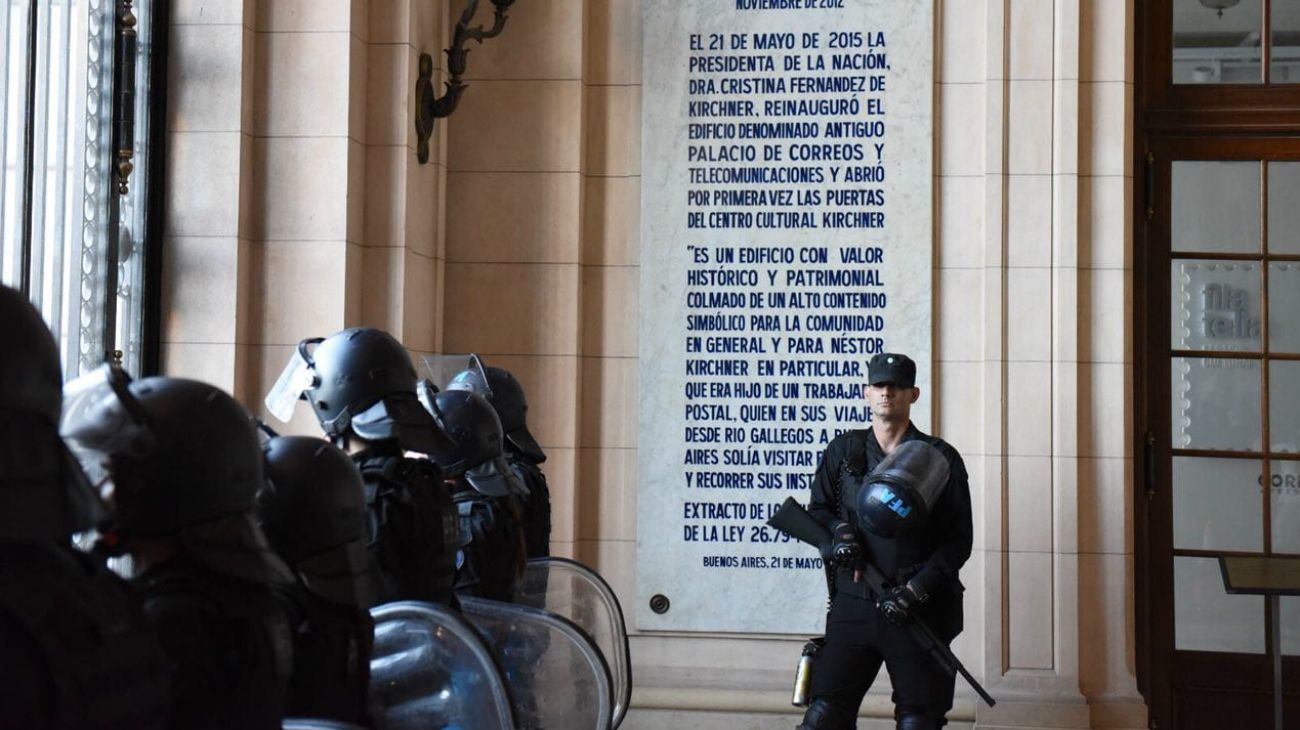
909,720
823,715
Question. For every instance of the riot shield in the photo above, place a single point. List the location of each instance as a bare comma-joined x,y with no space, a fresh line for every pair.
315,723
572,590
430,669
556,675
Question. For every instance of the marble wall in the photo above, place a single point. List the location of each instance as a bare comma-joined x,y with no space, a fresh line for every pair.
296,207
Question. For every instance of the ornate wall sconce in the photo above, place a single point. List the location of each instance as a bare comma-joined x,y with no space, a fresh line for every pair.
430,107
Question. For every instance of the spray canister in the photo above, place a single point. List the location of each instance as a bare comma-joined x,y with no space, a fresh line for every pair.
803,675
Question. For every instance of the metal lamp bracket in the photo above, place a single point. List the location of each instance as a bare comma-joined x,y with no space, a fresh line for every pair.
430,107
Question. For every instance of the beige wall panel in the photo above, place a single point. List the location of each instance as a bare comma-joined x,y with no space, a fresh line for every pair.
511,126
610,411
1065,522
382,293
616,561
391,72
1029,304
1030,610
611,221
1105,617
1029,230
301,84
301,188
519,309
1105,40
607,494
299,293
961,143
1066,408
1104,429
1105,232
207,204
960,222
961,51
1029,122
1065,132
1029,504
612,54
390,21
1030,45
960,321
514,217
1105,305
356,195
1104,144
1105,496
358,93
613,130
561,470
1029,409
540,41
386,187
610,310
205,92
207,307
305,15
959,402
422,304
217,364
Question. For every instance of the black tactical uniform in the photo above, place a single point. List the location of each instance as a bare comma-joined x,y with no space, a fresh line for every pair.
186,466
75,649
536,504
313,511
858,637
361,385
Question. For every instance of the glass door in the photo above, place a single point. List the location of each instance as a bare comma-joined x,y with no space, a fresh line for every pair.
1221,272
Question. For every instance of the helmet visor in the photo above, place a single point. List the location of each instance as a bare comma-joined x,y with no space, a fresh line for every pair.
294,380
457,372
102,418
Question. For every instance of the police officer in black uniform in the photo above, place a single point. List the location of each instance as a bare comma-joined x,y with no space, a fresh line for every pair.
75,649
522,451
362,389
486,492
313,511
920,563
185,465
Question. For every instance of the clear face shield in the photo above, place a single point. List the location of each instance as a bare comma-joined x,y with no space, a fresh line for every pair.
298,376
101,419
456,372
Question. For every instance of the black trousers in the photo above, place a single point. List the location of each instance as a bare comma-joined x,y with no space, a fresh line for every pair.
859,640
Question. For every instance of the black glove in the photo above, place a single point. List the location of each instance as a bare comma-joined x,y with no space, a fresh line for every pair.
898,603
845,548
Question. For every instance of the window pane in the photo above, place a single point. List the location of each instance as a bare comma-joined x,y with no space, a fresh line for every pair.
1217,41
1214,305
1285,54
1285,481
1284,307
1217,504
1284,405
1215,403
1284,206
1207,618
1216,206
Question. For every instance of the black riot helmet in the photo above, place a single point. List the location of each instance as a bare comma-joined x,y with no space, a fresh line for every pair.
511,405
179,452
313,511
43,492
473,427
359,381
897,496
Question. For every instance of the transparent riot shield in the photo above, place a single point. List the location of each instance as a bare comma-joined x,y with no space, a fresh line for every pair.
576,592
314,723
430,669
556,675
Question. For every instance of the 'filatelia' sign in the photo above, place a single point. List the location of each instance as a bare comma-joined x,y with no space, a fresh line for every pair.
786,238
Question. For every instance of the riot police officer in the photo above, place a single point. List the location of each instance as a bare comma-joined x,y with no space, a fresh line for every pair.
522,451
78,652
184,467
313,511
361,386
900,499
492,554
